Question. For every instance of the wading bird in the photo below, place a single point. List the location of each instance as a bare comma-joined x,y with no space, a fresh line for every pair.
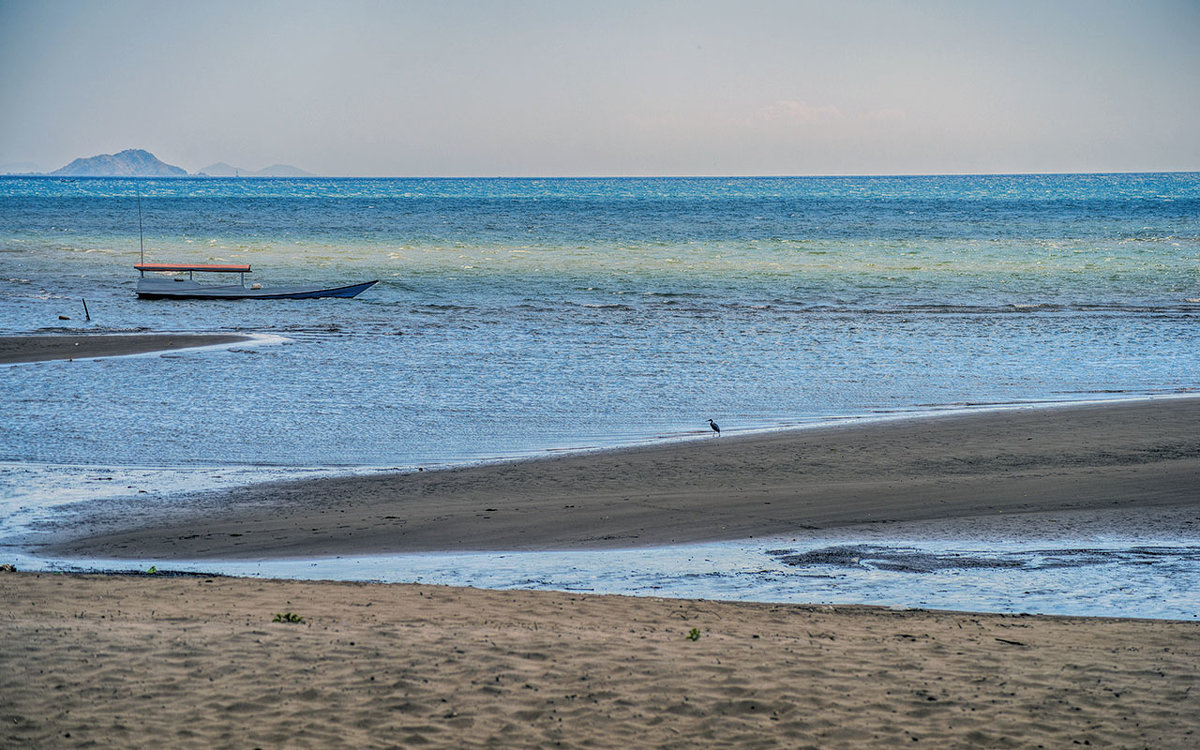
715,427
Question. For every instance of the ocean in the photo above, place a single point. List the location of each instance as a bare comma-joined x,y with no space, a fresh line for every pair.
517,317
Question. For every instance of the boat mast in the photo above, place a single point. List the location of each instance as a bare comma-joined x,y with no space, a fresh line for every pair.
141,236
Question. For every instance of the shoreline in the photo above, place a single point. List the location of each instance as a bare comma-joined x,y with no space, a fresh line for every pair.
202,660
1077,457
37,347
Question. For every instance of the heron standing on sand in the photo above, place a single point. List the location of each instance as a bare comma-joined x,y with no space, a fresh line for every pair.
715,427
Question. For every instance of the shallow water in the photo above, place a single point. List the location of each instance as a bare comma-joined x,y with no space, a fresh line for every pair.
521,315
516,317
1116,564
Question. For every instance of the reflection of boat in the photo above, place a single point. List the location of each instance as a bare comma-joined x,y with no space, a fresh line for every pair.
177,287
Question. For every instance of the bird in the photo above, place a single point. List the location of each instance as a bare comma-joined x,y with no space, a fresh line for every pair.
715,427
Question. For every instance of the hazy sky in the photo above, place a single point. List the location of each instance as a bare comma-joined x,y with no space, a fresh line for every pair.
606,88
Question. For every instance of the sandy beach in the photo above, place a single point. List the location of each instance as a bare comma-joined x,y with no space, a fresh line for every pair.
139,661
121,661
40,348
1137,455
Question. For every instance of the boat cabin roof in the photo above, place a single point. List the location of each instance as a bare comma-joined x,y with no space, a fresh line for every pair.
192,267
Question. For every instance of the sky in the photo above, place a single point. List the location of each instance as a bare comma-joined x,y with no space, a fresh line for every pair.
562,88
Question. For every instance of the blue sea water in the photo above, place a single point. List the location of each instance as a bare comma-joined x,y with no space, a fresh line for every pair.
519,316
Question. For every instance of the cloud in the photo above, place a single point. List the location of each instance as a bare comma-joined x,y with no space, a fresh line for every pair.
792,112
887,114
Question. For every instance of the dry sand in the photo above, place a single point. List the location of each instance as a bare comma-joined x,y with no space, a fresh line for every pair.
120,661
1134,456
40,348
123,661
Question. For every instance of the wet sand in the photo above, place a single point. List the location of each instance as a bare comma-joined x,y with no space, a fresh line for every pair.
120,661
1137,456
40,348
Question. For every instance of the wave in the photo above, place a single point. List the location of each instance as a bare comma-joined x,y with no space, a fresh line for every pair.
699,306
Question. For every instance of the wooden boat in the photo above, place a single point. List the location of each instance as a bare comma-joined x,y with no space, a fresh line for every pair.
177,287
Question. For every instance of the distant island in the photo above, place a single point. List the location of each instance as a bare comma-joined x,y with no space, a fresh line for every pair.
19,168
133,162
136,162
221,169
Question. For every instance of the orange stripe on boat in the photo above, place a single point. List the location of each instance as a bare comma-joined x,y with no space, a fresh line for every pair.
180,267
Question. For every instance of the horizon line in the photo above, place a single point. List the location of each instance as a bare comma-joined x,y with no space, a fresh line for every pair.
814,175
